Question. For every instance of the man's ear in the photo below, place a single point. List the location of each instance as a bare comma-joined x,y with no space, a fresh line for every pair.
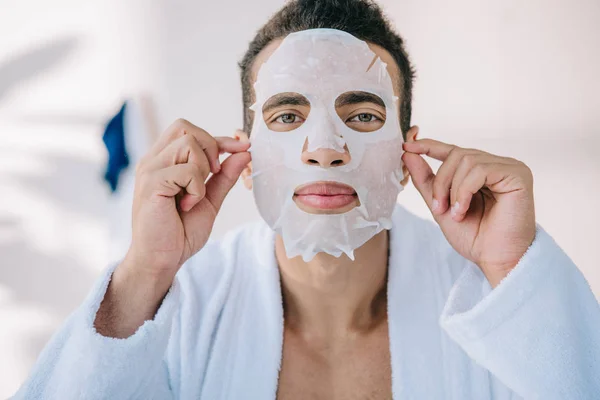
247,172
411,136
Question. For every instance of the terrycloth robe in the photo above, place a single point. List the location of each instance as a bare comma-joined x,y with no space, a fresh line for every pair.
219,331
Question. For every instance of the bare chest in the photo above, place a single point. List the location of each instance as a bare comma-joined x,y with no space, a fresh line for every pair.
351,368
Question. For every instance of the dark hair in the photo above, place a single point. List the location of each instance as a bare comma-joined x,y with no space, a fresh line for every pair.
361,18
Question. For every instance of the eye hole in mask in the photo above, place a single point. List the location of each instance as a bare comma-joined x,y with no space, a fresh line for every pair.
361,111
286,111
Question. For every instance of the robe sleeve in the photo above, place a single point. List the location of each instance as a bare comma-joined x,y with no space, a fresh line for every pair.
80,363
538,331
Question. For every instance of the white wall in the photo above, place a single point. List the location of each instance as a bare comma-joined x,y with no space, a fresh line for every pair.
510,77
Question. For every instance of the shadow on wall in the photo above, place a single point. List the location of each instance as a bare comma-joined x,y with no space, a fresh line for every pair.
54,283
70,183
26,66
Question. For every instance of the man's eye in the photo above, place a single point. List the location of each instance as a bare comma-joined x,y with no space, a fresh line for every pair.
364,117
287,118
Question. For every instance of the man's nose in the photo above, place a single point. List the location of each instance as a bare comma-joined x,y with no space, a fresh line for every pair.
326,158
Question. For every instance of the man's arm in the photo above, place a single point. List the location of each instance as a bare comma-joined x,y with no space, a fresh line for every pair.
131,298
113,345
538,331
79,362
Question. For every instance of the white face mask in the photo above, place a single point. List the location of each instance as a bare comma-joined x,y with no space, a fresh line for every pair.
321,65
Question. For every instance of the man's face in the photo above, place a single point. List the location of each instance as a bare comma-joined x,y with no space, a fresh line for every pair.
326,141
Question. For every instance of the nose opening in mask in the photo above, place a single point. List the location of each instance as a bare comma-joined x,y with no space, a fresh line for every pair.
325,157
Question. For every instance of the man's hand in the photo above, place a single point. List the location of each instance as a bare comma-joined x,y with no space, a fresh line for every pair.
482,202
174,209
174,205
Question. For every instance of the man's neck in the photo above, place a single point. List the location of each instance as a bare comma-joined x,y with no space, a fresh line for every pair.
328,296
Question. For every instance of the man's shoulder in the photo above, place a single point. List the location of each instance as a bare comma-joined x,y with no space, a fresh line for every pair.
215,264
224,271
423,236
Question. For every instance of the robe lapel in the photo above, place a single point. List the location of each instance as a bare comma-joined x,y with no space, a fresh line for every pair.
251,325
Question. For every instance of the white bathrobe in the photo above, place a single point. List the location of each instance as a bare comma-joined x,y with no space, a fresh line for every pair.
218,333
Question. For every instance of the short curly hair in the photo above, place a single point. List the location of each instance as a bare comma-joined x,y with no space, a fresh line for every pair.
361,18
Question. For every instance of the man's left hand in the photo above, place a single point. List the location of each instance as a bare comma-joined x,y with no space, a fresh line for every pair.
482,202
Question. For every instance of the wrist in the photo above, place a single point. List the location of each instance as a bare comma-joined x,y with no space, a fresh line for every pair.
146,268
494,278
132,297
495,272
133,274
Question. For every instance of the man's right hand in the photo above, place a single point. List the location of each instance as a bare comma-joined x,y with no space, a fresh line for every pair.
174,209
174,206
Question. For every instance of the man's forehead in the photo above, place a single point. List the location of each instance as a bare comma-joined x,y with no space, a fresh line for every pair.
383,54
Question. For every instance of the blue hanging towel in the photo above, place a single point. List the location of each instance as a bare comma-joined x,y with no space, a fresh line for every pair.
114,140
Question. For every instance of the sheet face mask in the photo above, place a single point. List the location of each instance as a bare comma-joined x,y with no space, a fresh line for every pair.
322,64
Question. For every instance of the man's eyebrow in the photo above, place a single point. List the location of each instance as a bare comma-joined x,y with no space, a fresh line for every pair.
285,99
358,97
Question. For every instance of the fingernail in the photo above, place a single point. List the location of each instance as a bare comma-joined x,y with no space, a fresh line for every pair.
218,165
434,205
454,209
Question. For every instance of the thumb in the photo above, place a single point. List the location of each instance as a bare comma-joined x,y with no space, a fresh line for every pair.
422,175
221,183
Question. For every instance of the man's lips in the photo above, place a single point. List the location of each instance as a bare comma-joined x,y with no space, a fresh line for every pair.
325,195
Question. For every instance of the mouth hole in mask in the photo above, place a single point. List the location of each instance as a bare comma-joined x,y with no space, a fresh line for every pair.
285,111
361,111
325,197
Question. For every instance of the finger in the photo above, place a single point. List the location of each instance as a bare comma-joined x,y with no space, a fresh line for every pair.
225,144
443,180
421,174
471,160
205,140
467,162
473,182
429,147
183,150
231,145
168,182
480,176
221,183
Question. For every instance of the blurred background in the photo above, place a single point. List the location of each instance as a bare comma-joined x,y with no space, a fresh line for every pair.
515,78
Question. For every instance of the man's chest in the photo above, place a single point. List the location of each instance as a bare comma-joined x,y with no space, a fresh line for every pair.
353,368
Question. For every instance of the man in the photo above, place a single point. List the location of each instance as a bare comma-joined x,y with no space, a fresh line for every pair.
323,300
